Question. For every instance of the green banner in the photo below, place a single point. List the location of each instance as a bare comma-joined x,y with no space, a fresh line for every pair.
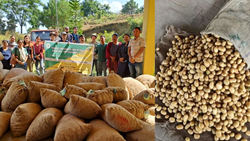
72,56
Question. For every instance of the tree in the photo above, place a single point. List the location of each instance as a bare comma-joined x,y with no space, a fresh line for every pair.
11,23
75,12
48,17
140,10
130,7
91,7
2,23
22,10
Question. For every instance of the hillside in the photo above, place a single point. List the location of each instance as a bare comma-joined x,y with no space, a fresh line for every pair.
117,23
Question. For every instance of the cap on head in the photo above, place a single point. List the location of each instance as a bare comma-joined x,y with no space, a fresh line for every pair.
75,27
81,36
66,27
94,35
52,33
64,33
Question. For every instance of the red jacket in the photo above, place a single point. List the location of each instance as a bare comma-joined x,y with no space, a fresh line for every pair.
38,50
108,54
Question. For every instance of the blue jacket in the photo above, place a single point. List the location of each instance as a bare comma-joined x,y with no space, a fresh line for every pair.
72,38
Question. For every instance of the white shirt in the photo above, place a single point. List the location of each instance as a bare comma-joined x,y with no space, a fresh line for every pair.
135,47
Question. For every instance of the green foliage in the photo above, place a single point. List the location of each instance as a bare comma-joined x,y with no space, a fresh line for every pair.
131,7
11,23
2,24
138,22
140,10
21,9
75,13
91,7
48,17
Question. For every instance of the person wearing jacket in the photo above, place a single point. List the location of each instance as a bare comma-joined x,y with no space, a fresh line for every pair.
20,55
123,69
112,53
38,55
74,37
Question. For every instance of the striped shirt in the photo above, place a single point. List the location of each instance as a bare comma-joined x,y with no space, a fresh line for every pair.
135,47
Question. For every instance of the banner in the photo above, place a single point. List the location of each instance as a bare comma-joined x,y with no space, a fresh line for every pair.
72,56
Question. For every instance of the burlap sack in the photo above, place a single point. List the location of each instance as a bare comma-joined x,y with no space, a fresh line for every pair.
2,94
137,108
26,77
8,137
115,80
5,122
147,80
134,86
44,124
14,72
86,79
232,23
119,118
1,56
1,65
101,131
3,73
71,78
101,97
119,94
147,133
34,90
54,77
146,96
22,117
16,95
52,99
71,128
151,110
91,86
82,107
150,119
73,90
100,79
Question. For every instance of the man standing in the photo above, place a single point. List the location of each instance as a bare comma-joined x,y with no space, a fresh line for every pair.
112,53
57,37
135,51
93,37
66,29
82,39
12,43
64,37
74,37
52,36
101,52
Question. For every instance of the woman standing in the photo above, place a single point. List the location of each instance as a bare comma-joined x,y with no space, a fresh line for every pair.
112,53
7,55
20,55
38,55
123,57
27,46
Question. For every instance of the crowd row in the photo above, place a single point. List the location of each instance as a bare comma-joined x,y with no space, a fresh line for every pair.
125,59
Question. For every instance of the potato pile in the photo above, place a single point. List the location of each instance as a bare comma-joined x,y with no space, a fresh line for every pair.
204,86
66,106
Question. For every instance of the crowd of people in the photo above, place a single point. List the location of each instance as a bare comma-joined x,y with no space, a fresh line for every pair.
125,59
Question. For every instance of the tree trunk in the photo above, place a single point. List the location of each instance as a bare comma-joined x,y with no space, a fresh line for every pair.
21,25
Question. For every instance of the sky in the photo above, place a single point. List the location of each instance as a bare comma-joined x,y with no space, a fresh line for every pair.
115,6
